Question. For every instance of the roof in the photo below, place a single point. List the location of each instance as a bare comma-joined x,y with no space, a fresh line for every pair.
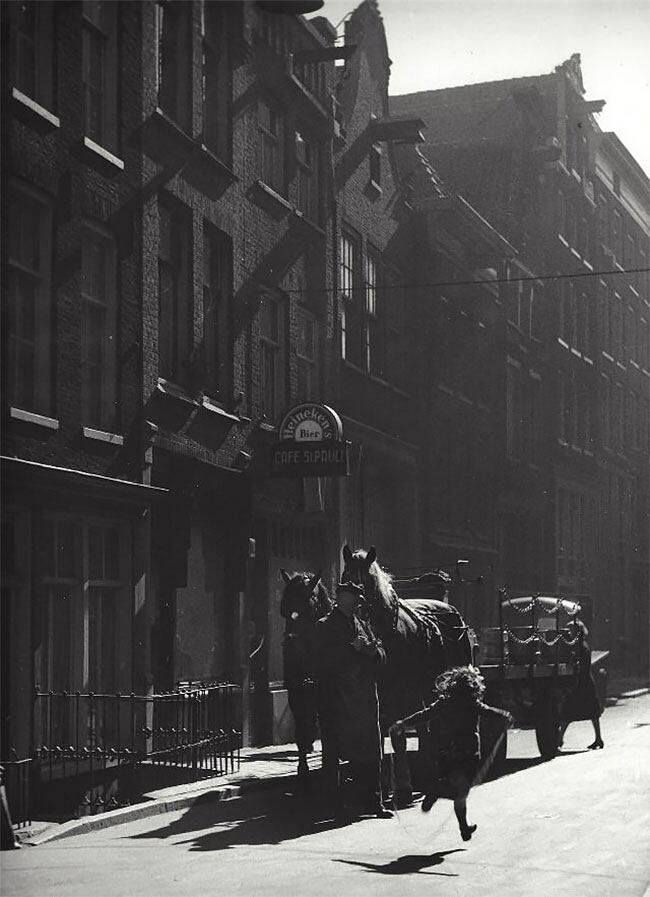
467,112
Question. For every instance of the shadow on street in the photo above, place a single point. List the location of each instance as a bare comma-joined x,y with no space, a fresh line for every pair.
407,865
249,821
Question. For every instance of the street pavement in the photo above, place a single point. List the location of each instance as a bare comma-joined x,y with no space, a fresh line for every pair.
577,825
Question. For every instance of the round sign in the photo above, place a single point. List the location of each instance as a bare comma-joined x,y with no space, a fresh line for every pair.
310,422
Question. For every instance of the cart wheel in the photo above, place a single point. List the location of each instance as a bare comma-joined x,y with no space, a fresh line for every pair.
547,729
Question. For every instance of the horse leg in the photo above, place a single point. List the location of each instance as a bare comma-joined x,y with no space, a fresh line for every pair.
403,787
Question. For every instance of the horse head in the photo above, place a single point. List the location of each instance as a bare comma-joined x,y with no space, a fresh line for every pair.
304,599
358,565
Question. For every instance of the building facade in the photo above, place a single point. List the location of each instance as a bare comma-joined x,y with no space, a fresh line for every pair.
573,511
211,214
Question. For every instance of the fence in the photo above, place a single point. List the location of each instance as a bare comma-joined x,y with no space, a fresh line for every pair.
96,752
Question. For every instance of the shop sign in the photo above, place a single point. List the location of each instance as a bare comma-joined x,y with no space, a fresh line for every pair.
310,443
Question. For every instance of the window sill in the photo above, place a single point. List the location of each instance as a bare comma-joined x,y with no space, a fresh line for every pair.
562,343
30,417
575,253
207,173
309,222
101,159
102,436
165,142
33,114
607,356
587,264
272,194
373,189
562,240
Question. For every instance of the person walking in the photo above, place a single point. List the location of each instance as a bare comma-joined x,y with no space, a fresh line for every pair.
348,659
454,723
582,702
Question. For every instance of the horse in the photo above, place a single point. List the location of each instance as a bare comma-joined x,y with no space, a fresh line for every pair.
304,601
422,638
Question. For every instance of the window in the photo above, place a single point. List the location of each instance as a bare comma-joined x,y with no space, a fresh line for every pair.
630,251
642,275
271,146
616,183
29,307
217,288
617,235
374,159
100,71
307,355
372,324
561,214
573,522
352,311
602,214
568,312
273,358
307,164
605,412
216,84
174,52
99,330
534,432
514,410
85,617
33,62
174,305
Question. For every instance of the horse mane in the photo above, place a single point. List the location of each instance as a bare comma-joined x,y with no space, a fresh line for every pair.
383,583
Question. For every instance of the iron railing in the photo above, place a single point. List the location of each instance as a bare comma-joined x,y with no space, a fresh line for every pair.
95,752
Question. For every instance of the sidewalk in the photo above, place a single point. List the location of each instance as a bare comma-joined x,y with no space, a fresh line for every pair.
271,766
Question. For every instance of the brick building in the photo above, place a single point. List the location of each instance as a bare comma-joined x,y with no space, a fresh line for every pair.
573,507
207,220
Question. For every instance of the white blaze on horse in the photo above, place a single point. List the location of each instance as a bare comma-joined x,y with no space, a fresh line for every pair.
304,601
422,638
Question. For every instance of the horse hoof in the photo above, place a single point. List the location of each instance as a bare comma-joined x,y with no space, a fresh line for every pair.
403,799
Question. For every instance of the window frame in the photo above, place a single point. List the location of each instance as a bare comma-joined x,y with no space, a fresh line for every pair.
271,146
177,331
308,180
107,363
273,392
41,399
101,25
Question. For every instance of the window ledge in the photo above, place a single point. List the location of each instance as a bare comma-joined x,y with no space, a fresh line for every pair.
587,264
634,290
33,114
264,187
562,343
213,408
100,158
303,219
562,240
576,353
30,417
587,360
575,253
607,356
635,365
374,189
102,436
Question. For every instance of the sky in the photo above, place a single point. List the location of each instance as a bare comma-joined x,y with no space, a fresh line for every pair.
444,43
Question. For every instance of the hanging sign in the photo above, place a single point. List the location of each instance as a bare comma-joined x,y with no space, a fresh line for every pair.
310,443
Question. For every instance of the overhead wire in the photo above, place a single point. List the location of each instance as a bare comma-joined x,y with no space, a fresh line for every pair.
487,281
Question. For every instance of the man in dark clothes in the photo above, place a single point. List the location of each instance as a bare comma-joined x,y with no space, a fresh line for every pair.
348,658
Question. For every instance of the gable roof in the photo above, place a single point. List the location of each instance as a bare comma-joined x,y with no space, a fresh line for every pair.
468,112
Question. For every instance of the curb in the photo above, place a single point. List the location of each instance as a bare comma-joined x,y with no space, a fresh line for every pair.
154,807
